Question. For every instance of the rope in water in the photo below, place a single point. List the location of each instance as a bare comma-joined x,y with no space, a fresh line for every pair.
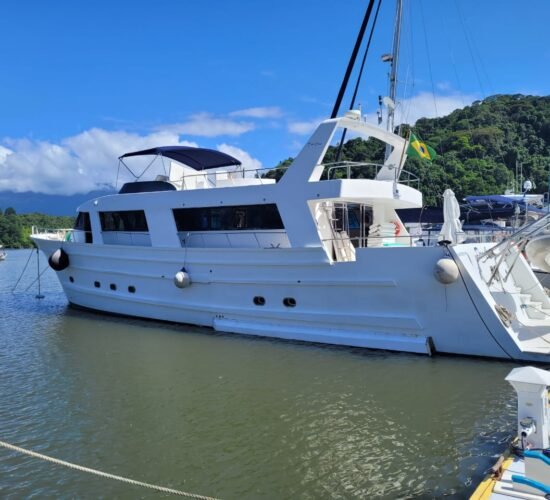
104,474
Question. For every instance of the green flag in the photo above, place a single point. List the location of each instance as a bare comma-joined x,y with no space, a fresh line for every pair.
419,149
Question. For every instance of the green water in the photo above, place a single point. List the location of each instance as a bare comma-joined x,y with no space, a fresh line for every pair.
231,416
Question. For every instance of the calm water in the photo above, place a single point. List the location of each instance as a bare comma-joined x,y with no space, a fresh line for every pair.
229,416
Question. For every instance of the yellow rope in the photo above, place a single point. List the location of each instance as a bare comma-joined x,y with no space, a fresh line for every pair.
104,474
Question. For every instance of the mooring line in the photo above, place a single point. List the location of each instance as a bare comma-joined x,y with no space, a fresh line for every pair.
37,278
23,272
127,480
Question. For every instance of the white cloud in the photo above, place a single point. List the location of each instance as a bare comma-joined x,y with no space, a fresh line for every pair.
86,161
77,164
248,162
207,125
422,105
259,112
304,127
4,152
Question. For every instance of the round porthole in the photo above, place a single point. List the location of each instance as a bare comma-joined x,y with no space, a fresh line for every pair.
97,284
132,289
112,286
289,302
259,301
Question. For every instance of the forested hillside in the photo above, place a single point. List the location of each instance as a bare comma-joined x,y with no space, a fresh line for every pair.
477,150
477,147
15,229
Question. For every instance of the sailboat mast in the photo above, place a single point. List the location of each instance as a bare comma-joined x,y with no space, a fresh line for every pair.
392,94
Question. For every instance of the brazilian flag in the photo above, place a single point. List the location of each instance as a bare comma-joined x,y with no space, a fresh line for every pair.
419,149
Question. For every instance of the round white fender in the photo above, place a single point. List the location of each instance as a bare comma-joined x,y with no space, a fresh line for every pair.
182,279
446,271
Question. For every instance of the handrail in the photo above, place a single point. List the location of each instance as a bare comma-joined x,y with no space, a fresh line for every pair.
331,167
524,233
187,236
259,173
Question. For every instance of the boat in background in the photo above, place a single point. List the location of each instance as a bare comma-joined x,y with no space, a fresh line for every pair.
3,253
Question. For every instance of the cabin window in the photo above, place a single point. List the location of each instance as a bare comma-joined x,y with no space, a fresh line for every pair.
127,221
244,217
83,224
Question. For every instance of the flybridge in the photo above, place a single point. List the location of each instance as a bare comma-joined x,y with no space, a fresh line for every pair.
187,168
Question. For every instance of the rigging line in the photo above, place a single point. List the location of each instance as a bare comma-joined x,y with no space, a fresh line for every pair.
365,54
344,132
428,55
409,77
37,278
459,84
23,272
477,53
469,44
352,59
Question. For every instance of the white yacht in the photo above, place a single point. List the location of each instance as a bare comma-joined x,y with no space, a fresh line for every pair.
318,254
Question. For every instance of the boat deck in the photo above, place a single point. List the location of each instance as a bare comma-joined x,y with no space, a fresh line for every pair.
499,485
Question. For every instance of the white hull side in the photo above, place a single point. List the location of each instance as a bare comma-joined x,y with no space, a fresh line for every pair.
387,299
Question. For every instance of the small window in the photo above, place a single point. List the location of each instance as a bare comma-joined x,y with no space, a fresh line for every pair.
97,284
126,220
71,279
259,301
83,224
112,286
132,289
289,302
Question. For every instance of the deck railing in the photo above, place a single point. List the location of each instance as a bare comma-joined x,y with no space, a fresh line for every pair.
418,240
223,178
61,234
365,170
234,239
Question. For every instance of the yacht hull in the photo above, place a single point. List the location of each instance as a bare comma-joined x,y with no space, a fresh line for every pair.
388,298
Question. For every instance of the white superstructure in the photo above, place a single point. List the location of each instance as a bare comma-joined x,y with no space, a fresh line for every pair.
319,255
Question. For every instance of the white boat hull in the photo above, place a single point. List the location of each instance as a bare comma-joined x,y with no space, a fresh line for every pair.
387,299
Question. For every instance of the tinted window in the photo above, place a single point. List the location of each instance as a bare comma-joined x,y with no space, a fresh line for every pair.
83,222
128,220
228,218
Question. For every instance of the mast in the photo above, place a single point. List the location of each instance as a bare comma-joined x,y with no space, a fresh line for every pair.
394,62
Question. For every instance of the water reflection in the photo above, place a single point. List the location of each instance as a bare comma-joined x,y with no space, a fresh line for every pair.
231,416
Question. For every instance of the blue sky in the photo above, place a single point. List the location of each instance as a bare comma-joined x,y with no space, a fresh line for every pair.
84,82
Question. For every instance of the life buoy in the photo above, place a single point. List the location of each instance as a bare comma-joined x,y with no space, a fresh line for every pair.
397,227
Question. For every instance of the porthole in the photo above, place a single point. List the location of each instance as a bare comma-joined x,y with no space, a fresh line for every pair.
112,286
97,284
259,301
132,289
71,279
289,302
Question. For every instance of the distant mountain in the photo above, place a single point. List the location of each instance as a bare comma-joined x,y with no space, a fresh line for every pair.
49,204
